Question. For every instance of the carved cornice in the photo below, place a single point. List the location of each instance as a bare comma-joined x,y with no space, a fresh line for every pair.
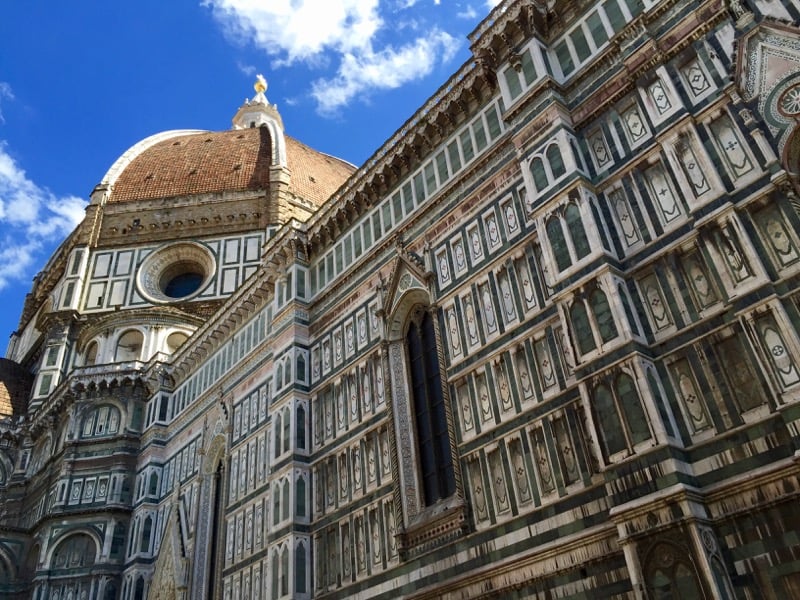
400,155
94,324
86,379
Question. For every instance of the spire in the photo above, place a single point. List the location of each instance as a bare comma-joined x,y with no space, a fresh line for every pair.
258,111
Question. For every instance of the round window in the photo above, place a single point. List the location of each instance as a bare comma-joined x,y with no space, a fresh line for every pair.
176,272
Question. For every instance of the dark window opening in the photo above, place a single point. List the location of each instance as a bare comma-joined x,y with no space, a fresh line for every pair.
214,545
433,440
183,284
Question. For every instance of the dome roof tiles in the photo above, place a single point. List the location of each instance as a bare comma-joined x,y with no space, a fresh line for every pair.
215,162
235,160
315,176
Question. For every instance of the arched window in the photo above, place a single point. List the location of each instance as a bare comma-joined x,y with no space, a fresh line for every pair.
147,530
279,375
433,440
555,234
153,485
287,429
111,591
215,545
632,409
276,570
175,340
285,571
300,426
100,422
300,497
285,498
620,416
129,346
572,215
670,574
611,434
287,371
276,503
539,174
277,429
300,568
90,356
556,161
603,315
76,551
581,328
138,593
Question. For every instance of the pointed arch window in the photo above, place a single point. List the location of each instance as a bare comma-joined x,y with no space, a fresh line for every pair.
300,427
566,233
558,243
300,568
433,440
300,497
284,571
603,315
539,174
147,530
572,215
582,329
670,575
556,161
620,416
278,429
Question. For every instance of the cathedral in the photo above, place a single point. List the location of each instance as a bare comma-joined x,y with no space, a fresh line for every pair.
544,343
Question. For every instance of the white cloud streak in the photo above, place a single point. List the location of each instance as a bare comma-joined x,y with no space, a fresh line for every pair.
388,69
31,219
5,94
345,38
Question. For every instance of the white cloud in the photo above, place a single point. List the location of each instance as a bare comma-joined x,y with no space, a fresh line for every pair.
248,70
31,218
5,94
468,13
387,69
299,30
347,40
490,4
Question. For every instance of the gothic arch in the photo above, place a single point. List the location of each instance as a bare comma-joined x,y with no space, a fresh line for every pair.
41,453
209,532
398,319
80,546
169,572
415,406
669,568
8,573
215,452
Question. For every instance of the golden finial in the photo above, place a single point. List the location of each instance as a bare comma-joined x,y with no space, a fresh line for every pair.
260,86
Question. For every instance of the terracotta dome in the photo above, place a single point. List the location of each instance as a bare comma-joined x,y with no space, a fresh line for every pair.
15,387
183,163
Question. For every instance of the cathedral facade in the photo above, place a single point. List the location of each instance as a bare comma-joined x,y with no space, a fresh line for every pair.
544,343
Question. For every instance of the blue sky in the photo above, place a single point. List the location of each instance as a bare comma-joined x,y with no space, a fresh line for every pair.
81,82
